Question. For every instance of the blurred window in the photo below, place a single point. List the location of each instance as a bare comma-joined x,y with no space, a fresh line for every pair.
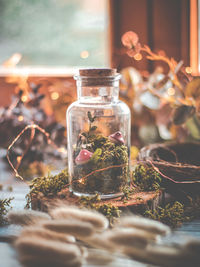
54,32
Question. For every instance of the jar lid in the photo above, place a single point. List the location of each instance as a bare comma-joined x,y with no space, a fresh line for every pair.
100,72
98,77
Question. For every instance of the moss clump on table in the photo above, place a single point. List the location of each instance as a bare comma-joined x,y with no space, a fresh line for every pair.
47,186
4,207
146,178
172,214
108,167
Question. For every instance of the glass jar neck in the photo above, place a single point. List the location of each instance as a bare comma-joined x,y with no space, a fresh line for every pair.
98,90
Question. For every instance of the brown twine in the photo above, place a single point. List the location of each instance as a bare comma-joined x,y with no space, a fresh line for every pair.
174,167
33,127
99,170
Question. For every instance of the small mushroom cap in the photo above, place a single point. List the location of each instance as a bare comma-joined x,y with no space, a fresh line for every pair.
117,137
83,157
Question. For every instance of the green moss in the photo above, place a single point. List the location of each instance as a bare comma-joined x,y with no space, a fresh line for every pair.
173,214
108,181
48,185
126,193
146,178
108,210
4,207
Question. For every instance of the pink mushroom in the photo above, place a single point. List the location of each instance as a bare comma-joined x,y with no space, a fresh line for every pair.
116,138
83,157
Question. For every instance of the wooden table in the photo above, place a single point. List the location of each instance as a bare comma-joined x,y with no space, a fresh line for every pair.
8,257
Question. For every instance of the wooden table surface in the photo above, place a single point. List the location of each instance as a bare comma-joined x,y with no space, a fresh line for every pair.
8,257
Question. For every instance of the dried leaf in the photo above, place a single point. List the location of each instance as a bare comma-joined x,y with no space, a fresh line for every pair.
193,88
91,119
89,116
182,113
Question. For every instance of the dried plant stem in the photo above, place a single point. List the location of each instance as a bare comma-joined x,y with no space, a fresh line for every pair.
73,227
148,225
99,221
153,56
173,65
131,237
40,232
47,250
99,241
99,257
27,217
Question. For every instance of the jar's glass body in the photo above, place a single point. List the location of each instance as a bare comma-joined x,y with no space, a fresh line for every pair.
98,131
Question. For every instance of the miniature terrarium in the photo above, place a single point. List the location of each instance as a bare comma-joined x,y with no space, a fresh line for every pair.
98,131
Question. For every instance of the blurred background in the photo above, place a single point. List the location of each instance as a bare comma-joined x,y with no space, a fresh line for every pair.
54,33
43,43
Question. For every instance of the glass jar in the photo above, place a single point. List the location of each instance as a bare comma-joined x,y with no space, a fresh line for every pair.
98,135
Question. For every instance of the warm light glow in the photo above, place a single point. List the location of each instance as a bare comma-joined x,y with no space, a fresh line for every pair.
62,150
24,98
138,57
171,91
81,181
188,70
20,118
19,158
54,95
84,54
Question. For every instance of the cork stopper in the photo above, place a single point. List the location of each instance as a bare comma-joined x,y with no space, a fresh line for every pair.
97,77
97,72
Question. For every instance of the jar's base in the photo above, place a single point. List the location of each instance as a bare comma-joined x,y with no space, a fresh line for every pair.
102,196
